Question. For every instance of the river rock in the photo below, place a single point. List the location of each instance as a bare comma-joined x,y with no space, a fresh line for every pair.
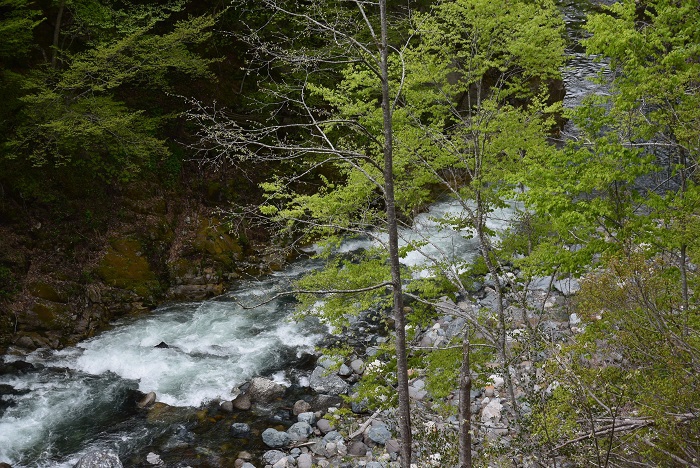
154,459
324,426
379,434
99,459
240,430
332,384
286,462
242,402
272,456
331,449
357,366
301,406
455,328
392,446
262,390
226,406
357,449
308,417
300,431
305,461
492,411
333,436
329,362
275,439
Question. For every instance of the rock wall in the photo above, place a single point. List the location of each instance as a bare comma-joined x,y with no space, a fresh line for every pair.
62,279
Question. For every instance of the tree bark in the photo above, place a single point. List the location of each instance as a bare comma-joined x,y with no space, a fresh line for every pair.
56,34
465,410
392,225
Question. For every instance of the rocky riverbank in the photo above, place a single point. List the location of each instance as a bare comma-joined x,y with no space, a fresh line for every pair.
320,420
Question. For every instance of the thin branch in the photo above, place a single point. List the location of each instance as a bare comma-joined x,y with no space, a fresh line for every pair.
317,292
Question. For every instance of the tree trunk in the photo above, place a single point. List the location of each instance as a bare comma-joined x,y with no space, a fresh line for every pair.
399,317
56,34
465,410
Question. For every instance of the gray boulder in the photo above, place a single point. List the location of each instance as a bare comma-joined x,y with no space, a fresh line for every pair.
100,459
240,430
275,439
272,456
333,436
305,461
324,426
358,449
331,384
379,434
308,417
300,431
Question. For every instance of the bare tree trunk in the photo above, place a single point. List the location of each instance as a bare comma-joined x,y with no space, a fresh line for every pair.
465,410
56,34
501,315
399,317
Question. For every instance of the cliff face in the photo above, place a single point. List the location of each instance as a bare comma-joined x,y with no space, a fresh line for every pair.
68,269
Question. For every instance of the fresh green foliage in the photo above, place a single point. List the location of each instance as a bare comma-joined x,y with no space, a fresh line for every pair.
639,352
79,113
19,19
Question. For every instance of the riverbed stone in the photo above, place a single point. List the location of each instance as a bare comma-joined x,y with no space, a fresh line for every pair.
357,366
392,446
344,371
240,430
100,459
226,406
358,449
322,382
301,406
308,417
272,456
333,436
492,411
300,431
324,426
286,462
275,439
242,402
305,461
379,434
262,390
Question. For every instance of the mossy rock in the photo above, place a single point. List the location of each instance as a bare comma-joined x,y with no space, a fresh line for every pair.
162,413
42,290
47,315
125,266
213,240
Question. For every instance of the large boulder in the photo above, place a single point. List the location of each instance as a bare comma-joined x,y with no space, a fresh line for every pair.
100,459
262,390
323,382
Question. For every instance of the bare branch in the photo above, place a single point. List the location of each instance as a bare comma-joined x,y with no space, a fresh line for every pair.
319,292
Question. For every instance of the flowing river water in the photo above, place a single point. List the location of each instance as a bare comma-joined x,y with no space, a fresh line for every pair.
80,399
